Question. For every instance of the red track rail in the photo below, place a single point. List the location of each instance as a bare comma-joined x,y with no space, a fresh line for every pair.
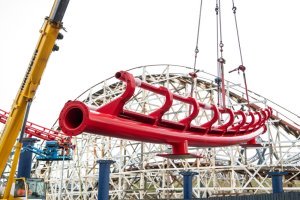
40,132
113,120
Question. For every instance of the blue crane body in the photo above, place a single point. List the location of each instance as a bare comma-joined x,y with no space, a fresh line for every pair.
51,152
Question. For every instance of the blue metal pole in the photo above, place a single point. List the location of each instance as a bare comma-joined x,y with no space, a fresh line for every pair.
188,184
25,161
103,182
277,181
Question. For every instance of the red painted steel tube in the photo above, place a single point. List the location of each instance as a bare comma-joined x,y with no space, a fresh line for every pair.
76,118
114,121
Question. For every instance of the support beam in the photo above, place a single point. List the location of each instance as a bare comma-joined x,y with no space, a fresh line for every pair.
103,181
277,181
188,184
25,161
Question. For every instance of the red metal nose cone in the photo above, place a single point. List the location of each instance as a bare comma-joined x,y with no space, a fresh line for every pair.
72,118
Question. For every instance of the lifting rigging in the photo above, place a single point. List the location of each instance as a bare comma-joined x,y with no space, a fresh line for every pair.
241,67
220,49
220,59
194,73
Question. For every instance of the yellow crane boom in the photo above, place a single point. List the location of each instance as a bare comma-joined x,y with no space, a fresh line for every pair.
32,78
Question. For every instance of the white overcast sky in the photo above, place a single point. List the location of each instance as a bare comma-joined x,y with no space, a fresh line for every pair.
106,36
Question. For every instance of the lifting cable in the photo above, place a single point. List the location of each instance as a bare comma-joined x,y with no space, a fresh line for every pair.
193,75
220,60
218,79
197,41
234,8
241,67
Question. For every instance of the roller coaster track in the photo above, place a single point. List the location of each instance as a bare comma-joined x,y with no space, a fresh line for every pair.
38,131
